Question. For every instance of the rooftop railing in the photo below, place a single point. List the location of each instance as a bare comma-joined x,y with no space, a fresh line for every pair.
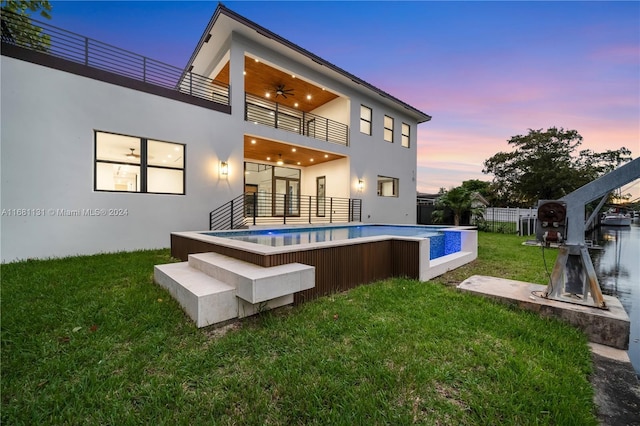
261,111
39,36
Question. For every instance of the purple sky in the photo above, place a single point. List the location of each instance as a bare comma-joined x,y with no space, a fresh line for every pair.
485,71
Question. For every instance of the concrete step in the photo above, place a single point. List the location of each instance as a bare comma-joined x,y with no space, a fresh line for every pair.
253,283
205,299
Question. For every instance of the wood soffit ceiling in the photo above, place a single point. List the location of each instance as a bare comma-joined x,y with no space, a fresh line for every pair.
301,157
261,79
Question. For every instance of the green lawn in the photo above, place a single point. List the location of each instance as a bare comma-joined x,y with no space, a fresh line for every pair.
92,340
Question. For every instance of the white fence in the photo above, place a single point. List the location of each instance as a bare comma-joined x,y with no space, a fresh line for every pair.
511,220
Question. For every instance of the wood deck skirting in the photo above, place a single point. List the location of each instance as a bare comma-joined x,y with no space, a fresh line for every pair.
338,268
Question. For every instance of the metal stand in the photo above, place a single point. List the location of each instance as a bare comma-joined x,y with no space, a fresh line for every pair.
573,278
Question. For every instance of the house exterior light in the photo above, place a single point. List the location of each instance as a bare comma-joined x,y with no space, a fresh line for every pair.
224,168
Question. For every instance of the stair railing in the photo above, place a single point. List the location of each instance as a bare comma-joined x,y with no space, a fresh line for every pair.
253,208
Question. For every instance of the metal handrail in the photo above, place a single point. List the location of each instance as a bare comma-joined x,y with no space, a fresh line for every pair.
261,111
252,208
39,36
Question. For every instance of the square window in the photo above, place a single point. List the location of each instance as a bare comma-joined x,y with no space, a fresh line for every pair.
387,186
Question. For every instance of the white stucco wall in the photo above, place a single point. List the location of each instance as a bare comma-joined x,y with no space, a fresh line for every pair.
337,178
336,110
47,160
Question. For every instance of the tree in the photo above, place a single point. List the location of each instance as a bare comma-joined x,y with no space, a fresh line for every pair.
458,200
545,165
17,27
481,187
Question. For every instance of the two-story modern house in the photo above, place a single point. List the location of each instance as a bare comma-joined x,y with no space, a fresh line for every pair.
105,150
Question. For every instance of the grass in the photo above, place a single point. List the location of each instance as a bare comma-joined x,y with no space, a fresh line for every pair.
93,340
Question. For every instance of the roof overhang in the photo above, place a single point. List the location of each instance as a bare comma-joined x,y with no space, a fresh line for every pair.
224,22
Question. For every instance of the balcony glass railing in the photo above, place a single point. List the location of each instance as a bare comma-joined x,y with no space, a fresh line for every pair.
261,111
39,36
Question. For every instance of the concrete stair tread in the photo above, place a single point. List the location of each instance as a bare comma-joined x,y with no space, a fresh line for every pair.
245,269
255,283
193,280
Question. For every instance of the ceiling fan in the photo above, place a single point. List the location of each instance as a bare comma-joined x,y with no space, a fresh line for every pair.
132,154
282,91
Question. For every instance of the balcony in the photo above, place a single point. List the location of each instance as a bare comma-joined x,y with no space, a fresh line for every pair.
262,111
37,36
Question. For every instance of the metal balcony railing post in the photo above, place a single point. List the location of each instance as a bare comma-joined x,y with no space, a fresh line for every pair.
284,210
255,206
231,214
86,51
327,130
275,117
144,69
331,210
191,83
309,209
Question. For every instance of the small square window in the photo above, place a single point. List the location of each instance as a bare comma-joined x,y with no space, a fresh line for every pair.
387,186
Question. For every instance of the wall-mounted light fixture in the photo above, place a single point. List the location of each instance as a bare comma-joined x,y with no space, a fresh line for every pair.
360,185
224,168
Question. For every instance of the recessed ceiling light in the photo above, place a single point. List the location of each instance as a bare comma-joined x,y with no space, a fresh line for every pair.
244,73
326,156
256,60
309,97
169,155
268,95
268,158
295,105
176,149
311,160
253,141
293,150
293,76
298,163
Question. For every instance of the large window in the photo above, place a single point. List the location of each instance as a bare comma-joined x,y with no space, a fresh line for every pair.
133,164
365,119
388,129
387,186
406,129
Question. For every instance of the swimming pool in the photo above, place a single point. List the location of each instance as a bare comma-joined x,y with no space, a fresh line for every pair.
343,256
442,242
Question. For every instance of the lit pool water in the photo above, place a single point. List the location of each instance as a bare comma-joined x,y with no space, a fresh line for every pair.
441,242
